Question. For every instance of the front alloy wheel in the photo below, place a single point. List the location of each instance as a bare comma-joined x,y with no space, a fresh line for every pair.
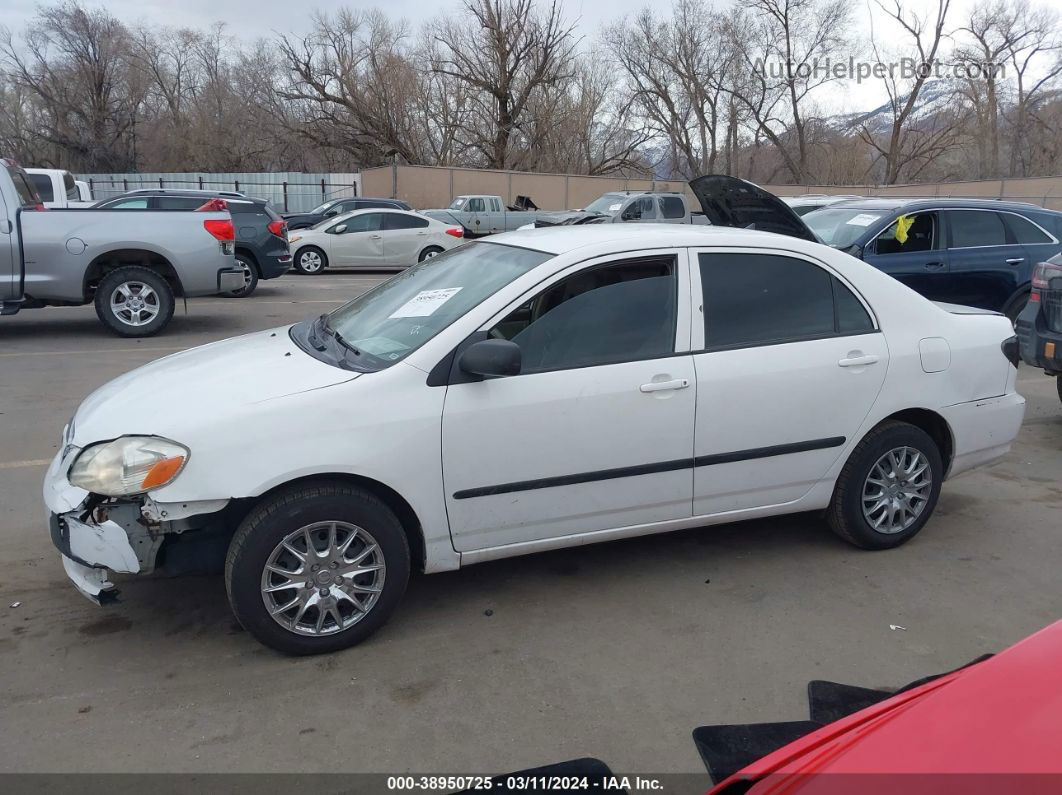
323,578
317,567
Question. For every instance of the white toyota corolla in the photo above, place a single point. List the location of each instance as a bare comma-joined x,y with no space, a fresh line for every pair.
532,391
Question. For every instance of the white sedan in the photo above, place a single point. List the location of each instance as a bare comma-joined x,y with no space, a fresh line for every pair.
372,238
532,391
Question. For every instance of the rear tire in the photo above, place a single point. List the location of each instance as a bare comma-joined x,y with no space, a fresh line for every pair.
310,261
873,516
429,252
272,541
250,277
133,301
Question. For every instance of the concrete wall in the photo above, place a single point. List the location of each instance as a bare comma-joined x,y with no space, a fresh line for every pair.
427,187
1044,191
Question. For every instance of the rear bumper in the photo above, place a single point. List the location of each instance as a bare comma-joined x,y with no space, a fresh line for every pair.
274,265
983,430
230,279
1034,338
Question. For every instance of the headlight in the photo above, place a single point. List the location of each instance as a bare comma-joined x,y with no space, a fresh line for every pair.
294,238
130,465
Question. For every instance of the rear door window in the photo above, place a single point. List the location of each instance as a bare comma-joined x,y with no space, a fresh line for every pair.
180,202
672,207
26,193
761,299
976,228
397,221
43,184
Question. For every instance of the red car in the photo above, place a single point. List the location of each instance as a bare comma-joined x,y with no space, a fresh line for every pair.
992,726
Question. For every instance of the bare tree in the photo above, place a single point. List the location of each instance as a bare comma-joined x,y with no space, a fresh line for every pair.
908,144
509,52
785,46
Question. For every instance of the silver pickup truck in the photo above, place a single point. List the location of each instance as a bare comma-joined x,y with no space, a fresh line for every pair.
481,215
623,207
130,263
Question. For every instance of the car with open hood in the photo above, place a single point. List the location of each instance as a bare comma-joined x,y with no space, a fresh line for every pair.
531,391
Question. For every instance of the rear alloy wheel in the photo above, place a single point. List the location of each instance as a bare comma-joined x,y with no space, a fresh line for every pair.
134,301
250,277
888,488
310,261
429,252
317,568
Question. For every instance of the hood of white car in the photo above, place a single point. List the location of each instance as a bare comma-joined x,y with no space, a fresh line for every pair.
214,383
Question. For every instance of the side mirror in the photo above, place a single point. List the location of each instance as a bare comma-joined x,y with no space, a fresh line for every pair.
491,358
339,229
331,212
629,214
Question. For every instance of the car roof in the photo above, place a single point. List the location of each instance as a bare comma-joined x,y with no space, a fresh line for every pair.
562,239
190,194
930,202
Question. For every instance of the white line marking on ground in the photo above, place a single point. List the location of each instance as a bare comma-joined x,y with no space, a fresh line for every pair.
332,301
36,462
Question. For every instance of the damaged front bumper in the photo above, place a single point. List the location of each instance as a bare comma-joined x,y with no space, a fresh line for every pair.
98,535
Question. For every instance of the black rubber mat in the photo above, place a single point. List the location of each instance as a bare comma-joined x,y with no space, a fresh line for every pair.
830,701
536,778
727,749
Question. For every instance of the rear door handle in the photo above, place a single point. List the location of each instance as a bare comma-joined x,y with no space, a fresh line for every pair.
934,266
1016,260
375,237
858,361
661,386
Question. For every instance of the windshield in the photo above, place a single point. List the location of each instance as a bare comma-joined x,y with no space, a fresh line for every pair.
320,208
391,321
457,203
608,204
841,227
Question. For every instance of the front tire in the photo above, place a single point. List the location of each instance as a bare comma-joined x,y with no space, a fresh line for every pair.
310,261
888,488
134,301
317,568
250,277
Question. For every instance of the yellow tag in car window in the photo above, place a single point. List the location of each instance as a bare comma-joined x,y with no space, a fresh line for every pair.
903,226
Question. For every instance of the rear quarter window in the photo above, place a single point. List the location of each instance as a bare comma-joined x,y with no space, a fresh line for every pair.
43,184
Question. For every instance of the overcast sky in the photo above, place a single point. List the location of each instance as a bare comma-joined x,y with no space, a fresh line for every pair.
252,19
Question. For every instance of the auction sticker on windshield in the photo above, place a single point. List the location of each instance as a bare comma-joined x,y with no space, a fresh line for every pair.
863,219
425,302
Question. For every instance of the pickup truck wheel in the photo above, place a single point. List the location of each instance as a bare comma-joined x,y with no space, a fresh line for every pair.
310,260
317,568
429,252
888,488
134,301
250,277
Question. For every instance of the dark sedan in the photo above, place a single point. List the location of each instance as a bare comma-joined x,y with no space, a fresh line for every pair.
338,207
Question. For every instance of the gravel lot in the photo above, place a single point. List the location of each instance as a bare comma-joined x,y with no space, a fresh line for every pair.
615,651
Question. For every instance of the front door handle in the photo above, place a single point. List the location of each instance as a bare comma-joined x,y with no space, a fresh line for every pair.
1016,260
858,361
934,266
661,386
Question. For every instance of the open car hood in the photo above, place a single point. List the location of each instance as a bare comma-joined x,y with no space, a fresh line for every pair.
729,201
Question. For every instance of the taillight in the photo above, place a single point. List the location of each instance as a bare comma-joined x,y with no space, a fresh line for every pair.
220,230
213,206
1011,351
39,207
455,231
278,228
1043,275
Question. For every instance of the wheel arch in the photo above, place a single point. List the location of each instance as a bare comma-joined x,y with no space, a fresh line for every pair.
246,252
111,260
388,496
933,424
